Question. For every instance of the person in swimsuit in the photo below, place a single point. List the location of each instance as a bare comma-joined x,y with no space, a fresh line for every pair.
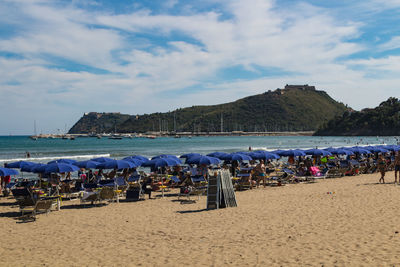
260,173
396,166
382,168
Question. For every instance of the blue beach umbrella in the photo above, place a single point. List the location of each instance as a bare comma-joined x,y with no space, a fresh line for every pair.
392,147
219,155
136,157
264,155
256,155
38,168
161,162
29,167
102,159
292,153
318,152
189,155
206,160
340,151
375,149
277,152
165,156
60,168
360,150
19,164
240,157
119,164
7,172
87,164
66,161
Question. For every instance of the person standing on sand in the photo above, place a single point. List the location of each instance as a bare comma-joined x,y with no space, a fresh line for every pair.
396,166
260,173
382,167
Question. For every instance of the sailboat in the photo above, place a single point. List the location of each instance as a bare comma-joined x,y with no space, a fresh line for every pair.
34,136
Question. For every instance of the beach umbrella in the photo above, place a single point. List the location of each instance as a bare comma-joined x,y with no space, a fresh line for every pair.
318,152
265,155
19,164
240,157
340,151
256,155
7,172
277,152
392,147
135,161
136,157
165,156
102,159
60,168
359,150
38,168
219,155
29,167
161,162
189,155
67,161
292,153
375,149
206,160
119,164
87,164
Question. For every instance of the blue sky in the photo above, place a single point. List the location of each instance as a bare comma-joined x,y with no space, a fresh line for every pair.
59,59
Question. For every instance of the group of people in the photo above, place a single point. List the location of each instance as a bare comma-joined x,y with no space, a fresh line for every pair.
383,164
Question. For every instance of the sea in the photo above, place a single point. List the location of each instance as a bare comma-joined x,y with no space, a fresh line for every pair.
14,148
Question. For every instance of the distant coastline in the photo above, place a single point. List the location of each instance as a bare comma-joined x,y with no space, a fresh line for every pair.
172,134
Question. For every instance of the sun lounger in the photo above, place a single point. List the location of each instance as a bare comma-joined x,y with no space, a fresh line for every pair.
134,192
134,178
41,206
187,191
91,197
107,194
198,179
24,197
175,179
108,183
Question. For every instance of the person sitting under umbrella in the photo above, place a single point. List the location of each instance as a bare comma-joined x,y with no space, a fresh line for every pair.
147,186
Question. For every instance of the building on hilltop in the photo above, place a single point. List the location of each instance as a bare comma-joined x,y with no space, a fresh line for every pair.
299,87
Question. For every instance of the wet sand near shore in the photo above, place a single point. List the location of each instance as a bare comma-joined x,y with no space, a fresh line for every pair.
334,222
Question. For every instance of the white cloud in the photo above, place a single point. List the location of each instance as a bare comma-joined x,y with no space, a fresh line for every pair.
393,43
304,40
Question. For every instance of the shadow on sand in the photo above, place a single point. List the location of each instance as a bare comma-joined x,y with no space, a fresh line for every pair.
190,211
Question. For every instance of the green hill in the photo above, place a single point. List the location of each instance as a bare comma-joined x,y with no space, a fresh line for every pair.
94,122
383,120
295,108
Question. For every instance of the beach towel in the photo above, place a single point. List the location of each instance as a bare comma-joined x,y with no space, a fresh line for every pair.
315,171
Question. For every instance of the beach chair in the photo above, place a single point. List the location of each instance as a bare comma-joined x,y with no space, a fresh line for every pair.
107,194
107,182
91,197
187,191
41,206
134,192
134,178
243,181
24,197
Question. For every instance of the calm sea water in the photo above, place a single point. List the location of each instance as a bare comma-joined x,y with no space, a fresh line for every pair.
14,148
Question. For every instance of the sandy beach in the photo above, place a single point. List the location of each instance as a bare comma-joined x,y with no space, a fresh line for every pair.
358,224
